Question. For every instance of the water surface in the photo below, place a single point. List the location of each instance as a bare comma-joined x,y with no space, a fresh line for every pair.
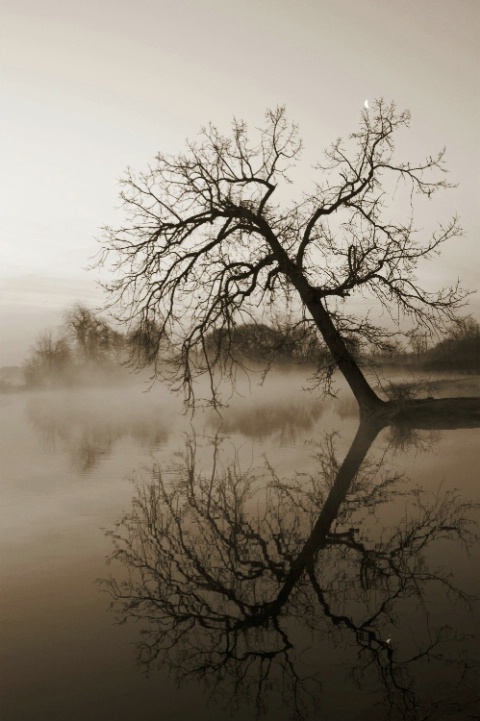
381,623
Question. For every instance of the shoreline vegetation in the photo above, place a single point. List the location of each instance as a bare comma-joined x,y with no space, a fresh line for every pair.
86,350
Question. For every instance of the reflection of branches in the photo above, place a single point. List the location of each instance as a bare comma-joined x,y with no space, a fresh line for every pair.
225,568
393,570
197,568
403,438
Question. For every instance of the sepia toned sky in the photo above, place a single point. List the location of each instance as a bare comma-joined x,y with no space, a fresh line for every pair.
90,88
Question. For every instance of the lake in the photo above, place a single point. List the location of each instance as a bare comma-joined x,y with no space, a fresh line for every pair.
158,566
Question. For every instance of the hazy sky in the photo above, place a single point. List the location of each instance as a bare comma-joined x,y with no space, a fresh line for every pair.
91,87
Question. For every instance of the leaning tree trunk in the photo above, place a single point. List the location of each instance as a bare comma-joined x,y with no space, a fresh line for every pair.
367,399
366,434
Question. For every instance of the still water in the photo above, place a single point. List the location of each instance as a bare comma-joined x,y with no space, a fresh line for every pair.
156,566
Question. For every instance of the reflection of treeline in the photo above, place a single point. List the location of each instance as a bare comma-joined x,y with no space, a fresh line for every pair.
87,429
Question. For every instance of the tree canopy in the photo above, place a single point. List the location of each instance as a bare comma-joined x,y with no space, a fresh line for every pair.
207,245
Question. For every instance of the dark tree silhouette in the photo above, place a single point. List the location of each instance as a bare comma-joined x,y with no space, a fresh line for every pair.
208,241
221,568
91,336
50,360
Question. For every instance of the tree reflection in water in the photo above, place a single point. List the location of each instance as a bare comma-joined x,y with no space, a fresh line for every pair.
241,577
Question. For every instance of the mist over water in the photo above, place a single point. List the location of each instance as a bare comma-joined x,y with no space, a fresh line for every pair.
75,462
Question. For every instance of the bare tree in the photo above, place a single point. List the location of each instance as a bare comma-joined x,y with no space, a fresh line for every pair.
92,337
50,360
206,244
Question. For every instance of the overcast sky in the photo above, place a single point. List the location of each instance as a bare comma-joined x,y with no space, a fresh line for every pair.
91,87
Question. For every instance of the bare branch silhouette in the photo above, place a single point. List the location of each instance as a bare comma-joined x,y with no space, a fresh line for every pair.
207,241
221,567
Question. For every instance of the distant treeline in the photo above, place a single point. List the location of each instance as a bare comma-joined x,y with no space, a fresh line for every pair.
261,343
85,349
458,351
80,350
